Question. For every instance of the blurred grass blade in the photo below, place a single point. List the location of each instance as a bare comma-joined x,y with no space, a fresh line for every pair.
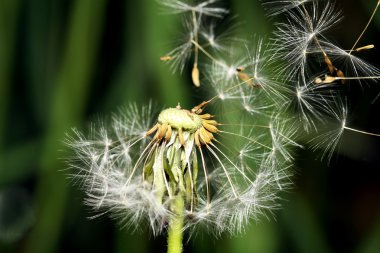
9,13
18,162
128,85
169,87
128,82
68,103
44,36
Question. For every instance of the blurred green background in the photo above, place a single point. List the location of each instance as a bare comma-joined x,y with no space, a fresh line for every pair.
65,62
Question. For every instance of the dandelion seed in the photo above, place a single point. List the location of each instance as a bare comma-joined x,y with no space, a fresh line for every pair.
220,42
206,8
328,140
366,26
351,64
194,24
303,32
222,79
278,7
178,57
310,104
259,64
195,76
367,47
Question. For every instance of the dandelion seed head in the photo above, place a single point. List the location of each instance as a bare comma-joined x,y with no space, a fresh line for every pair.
184,151
179,118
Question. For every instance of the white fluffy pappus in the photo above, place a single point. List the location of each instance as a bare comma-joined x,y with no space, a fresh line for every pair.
133,171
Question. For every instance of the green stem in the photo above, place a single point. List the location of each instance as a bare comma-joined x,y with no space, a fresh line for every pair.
175,233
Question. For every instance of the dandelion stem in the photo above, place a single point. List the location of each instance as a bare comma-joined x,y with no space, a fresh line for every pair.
195,30
310,23
357,78
247,138
206,178
195,72
245,125
330,79
229,160
362,132
358,49
191,187
225,171
208,54
175,232
231,88
365,28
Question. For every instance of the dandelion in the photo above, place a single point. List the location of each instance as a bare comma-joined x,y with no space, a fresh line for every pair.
187,169
225,161
183,168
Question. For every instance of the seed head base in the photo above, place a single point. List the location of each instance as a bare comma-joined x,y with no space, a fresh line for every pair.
180,120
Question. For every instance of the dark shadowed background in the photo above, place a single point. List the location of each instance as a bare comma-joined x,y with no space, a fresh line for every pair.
64,63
